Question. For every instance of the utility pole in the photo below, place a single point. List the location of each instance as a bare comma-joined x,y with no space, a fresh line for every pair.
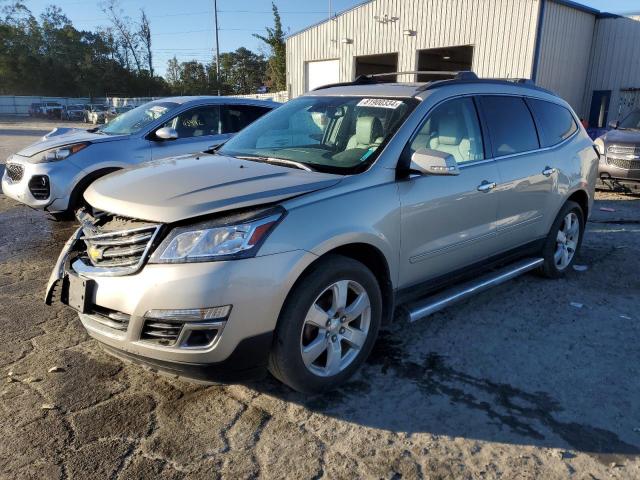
215,15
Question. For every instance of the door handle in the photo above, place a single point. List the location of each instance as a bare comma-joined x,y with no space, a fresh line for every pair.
486,186
548,171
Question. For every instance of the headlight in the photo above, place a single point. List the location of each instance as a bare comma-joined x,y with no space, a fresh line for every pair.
60,153
599,144
234,236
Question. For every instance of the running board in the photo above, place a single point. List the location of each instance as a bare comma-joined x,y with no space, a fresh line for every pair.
422,308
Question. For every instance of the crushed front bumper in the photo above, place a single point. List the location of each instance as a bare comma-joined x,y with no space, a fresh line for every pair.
256,288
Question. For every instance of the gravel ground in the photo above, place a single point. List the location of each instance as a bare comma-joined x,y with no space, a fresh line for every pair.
515,383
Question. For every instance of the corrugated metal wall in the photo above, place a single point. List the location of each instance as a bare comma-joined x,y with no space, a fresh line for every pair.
565,52
502,32
615,61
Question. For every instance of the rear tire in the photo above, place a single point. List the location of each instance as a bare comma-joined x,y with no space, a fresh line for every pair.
564,241
327,326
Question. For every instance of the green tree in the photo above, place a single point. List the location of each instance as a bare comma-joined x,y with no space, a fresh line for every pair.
173,72
193,78
50,56
241,72
277,63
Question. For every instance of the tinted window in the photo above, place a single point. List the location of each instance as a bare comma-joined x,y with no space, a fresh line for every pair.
197,122
510,125
452,128
556,122
236,117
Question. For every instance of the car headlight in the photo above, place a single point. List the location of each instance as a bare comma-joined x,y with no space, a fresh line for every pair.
599,144
60,153
230,237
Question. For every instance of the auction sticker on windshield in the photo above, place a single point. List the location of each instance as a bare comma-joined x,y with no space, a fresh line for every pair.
379,102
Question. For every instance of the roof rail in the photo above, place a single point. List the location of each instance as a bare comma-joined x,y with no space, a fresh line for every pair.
457,77
360,80
523,82
375,77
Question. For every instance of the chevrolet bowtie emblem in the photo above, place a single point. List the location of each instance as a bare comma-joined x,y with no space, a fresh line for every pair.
95,253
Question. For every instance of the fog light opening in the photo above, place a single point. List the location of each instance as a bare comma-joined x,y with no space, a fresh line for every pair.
200,338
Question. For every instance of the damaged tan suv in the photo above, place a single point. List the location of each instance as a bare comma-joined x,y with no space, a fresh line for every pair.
292,244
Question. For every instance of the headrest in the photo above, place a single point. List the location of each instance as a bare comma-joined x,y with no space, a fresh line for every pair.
368,129
449,130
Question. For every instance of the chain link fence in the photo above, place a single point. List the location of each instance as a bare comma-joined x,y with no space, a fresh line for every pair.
13,105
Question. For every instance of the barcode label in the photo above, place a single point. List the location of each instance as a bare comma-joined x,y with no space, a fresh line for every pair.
379,103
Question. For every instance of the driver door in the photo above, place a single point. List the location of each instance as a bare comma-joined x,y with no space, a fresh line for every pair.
198,129
448,222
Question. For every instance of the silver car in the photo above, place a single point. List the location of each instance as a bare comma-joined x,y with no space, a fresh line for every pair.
53,173
302,235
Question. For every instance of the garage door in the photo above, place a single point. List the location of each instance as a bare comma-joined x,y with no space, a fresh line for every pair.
321,73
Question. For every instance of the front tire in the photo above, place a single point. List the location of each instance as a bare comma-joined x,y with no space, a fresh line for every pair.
564,241
327,326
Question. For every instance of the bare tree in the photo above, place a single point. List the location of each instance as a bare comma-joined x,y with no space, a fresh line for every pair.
129,39
145,36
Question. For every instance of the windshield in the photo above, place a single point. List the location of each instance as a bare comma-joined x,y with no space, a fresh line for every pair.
329,134
135,120
632,121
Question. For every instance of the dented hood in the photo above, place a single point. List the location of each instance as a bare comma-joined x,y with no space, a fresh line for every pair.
179,188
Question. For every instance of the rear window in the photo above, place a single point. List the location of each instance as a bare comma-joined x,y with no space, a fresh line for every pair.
510,125
556,122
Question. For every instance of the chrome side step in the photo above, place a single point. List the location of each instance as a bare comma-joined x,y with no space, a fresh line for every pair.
425,307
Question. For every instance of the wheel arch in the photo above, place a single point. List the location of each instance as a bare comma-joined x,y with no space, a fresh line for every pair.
87,180
370,256
581,198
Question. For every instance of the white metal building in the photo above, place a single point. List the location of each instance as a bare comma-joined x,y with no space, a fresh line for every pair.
588,57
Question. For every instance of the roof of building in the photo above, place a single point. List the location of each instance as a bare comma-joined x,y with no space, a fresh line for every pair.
568,3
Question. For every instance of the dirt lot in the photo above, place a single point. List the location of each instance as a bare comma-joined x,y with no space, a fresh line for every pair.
515,383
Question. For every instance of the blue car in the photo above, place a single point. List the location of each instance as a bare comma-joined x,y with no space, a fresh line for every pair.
52,174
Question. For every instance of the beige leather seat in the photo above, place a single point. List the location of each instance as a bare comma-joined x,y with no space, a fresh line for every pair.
368,133
451,138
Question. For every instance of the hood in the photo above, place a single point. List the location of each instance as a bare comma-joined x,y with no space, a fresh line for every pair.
622,137
184,187
65,136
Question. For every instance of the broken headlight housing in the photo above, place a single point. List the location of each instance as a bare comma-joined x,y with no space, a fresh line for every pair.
226,238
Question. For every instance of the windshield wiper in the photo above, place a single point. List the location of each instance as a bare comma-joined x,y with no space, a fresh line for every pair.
276,161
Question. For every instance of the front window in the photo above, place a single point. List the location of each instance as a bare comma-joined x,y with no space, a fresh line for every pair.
632,121
197,122
135,120
452,128
329,134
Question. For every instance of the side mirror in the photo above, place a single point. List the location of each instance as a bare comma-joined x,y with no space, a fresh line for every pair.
433,162
614,124
166,133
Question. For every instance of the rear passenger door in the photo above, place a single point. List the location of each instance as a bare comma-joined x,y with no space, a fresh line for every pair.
236,117
448,222
527,175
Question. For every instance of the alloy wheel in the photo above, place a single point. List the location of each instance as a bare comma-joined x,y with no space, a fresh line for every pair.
567,241
335,328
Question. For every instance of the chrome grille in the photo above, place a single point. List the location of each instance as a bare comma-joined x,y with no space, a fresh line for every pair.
110,318
624,163
115,245
163,333
623,150
14,171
